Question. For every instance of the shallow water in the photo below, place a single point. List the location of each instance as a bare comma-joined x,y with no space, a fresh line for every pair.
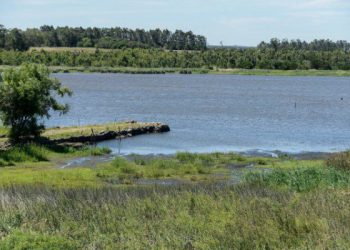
216,112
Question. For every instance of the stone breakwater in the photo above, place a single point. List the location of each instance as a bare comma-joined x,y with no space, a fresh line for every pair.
148,128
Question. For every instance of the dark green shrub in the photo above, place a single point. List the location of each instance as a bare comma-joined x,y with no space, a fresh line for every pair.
22,153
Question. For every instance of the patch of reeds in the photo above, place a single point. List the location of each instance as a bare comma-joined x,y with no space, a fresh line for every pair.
339,161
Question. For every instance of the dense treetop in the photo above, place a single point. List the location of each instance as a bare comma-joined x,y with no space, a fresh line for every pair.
252,58
316,45
113,38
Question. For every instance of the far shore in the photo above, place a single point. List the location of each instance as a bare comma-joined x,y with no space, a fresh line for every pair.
214,71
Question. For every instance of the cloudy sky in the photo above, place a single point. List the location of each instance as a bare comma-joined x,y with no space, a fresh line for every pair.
237,22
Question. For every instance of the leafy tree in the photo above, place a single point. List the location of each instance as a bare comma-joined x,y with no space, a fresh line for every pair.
15,40
27,94
2,36
106,37
86,42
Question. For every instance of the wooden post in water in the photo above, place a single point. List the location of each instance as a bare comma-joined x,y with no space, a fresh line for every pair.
119,140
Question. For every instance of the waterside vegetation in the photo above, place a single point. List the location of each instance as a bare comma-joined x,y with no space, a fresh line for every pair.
252,58
186,71
295,204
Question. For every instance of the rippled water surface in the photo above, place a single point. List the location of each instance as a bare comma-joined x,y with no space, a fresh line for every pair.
216,112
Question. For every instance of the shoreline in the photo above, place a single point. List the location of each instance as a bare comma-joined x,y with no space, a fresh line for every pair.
196,71
217,71
88,160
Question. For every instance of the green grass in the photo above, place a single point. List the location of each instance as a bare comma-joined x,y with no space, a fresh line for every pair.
159,168
32,164
185,166
32,154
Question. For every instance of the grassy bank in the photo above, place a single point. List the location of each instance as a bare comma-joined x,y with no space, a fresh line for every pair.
87,130
33,164
57,133
218,71
46,152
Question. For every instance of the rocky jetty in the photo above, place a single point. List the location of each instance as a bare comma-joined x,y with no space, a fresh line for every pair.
113,134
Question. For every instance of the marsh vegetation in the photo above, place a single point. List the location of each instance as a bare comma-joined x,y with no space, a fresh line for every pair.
297,204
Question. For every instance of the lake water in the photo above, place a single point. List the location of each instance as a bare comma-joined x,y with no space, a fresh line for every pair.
215,112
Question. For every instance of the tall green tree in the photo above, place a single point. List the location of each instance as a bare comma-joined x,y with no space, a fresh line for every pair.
27,95
15,40
2,36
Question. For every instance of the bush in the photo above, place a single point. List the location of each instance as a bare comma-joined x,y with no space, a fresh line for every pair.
119,162
97,151
339,161
186,157
22,153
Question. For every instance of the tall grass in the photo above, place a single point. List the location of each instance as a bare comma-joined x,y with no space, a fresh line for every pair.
157,168
300,180
21,153
182,217
339,161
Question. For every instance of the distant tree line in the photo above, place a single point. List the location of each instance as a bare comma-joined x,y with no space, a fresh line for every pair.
316,45
111,38
251,58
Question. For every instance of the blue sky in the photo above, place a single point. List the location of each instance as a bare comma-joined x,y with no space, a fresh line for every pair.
234,22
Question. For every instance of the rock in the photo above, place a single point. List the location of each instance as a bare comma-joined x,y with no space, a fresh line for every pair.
163,128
